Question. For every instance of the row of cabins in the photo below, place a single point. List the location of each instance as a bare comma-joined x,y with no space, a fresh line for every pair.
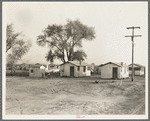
107,70
34,70
82,69
68,69
25,66
119,70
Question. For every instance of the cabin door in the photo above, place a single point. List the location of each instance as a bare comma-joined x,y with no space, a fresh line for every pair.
42,75
115,73
71,71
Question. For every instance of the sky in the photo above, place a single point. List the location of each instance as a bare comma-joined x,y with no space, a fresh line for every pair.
109,19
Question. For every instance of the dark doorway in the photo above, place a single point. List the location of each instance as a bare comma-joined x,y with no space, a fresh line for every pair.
42,75
115,73
71,71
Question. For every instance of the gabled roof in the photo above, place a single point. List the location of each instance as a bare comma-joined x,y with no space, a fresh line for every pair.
115,63
37,64
77,63
139,65
42,67
40,64
100,65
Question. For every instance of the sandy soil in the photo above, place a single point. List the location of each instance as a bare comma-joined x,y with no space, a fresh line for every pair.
74,96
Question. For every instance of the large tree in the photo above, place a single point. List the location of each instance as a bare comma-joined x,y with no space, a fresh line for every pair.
11,37
66,41
50,56
16,45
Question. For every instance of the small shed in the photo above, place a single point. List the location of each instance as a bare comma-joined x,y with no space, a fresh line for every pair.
138,69
37,71
75,69
114,70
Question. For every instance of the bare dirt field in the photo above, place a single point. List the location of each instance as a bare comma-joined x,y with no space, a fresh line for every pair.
74,96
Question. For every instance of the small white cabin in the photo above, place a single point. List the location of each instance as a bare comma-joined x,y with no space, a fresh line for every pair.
114,70
138,69
37,71
53,68
74,69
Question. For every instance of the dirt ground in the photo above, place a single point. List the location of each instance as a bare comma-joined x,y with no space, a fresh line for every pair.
74,96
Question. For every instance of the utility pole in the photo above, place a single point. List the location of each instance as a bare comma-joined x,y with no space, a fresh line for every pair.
132,39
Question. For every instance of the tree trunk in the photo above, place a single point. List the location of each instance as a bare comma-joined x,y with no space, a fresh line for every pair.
63,57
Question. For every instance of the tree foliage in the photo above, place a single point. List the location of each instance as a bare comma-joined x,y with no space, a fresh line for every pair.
50,56
63,40
79,55
11,37
16,45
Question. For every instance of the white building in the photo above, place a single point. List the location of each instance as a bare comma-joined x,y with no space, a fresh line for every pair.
37,71
138,69
53,68
74,69
114,70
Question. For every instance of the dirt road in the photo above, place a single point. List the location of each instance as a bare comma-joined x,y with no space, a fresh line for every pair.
73,96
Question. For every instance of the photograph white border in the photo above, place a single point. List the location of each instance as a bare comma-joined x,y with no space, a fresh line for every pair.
46,117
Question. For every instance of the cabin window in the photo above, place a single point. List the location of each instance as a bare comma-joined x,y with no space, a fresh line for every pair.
57,66
84,69
78,68
31,71
137,69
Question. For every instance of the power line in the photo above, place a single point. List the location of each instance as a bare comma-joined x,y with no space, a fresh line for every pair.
132,39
